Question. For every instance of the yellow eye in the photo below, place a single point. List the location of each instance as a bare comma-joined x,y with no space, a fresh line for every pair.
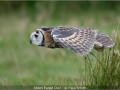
36,35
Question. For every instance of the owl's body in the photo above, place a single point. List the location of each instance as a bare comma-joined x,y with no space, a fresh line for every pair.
78,39
48,39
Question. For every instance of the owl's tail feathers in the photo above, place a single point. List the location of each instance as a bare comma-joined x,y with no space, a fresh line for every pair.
103,41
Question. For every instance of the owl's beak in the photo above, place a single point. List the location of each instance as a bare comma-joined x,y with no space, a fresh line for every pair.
30,41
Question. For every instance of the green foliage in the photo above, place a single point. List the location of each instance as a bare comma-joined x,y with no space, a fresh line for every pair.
104,74
24,64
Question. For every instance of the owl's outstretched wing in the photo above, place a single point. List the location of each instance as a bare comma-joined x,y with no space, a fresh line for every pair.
104,40
78,39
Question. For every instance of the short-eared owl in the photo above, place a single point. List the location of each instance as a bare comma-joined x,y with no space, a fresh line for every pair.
78,39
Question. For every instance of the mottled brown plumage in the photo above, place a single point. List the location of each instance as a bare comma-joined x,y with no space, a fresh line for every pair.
48,39
78,39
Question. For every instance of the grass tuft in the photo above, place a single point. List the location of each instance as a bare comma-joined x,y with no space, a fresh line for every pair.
105,73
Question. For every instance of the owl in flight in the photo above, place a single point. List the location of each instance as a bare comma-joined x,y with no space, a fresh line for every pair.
80,40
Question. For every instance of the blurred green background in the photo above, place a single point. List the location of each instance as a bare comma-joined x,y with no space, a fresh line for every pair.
24,64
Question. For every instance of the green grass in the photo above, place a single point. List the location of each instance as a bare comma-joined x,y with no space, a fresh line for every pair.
24,64
105,73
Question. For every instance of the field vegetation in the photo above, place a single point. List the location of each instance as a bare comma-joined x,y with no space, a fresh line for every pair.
23,64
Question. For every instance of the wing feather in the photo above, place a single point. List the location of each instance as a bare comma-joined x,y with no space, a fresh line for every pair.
78,39
104,40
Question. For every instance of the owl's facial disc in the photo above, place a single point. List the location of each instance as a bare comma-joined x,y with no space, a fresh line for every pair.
36,38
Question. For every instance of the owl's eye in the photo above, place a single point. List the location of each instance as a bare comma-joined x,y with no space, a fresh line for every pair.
37,32
36,35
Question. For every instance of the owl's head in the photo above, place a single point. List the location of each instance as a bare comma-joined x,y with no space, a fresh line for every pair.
36,37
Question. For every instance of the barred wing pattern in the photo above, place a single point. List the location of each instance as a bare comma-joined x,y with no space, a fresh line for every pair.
104,40
78,39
